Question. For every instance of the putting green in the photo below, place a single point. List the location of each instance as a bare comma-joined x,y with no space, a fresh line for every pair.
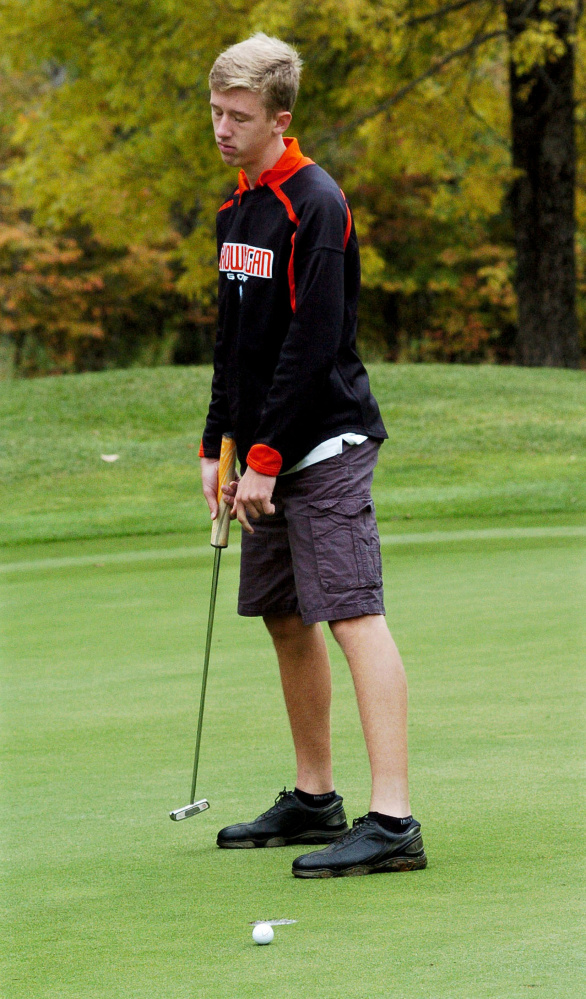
105,897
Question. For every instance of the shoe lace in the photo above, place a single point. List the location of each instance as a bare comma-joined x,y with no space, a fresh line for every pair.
281,797
355,831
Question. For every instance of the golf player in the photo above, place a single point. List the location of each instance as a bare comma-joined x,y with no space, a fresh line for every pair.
289,386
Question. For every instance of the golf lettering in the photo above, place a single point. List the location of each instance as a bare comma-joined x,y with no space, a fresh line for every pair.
243,259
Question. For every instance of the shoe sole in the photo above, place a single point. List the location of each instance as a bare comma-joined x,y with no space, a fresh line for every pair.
311,837
395,864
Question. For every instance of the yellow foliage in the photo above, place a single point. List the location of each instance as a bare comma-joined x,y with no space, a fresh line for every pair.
116,134
372,265
537,45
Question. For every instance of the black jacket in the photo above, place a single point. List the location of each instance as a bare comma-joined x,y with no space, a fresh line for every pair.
286,372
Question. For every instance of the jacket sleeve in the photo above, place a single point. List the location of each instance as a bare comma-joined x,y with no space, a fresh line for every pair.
218,418
313,339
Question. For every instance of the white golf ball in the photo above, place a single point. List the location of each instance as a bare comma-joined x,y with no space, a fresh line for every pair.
263,933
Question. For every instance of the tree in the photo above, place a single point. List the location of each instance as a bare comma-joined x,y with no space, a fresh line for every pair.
407,102
70,301
542,195
457,48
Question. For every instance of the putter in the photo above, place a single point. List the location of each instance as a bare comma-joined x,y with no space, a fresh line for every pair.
220,532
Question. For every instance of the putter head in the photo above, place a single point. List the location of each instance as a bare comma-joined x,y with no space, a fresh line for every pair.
188,810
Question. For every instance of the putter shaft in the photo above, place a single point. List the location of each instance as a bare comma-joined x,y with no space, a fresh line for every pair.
200,806
206,662
220,533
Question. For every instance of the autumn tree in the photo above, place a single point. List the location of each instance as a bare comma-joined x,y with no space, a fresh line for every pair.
542,47
437,67
69,300
429,113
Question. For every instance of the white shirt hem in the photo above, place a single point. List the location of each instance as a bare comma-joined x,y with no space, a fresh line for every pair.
327,449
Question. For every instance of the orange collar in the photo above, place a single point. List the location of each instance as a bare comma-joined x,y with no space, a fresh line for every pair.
290,162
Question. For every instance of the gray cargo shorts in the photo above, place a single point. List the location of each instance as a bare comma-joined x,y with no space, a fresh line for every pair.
319,554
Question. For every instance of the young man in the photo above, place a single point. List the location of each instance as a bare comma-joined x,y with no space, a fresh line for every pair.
290,388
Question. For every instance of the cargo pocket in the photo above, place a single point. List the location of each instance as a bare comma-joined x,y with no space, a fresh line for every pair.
346,543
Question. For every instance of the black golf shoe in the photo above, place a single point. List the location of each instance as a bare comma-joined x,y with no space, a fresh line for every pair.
367,848
288,821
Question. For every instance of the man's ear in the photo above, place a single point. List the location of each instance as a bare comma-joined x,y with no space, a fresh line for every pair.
282,122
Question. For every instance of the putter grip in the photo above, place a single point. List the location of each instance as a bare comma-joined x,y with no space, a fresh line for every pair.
226,475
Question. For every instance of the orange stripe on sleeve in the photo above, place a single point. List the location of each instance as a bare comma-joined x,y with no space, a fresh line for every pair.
291,273
348,226
348,229
292,216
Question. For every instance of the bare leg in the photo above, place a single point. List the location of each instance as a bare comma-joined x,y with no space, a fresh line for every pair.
381,691
307,686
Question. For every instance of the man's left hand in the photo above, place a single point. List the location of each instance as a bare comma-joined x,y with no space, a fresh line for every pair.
253,497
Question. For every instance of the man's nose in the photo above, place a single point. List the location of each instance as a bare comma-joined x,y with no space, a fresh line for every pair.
223,127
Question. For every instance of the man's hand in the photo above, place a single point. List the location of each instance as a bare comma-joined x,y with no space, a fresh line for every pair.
209,482
253,496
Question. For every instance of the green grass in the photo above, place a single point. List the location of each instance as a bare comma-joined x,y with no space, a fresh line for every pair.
464,442
107,898
103,627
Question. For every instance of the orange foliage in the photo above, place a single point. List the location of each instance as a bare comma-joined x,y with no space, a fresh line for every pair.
59,293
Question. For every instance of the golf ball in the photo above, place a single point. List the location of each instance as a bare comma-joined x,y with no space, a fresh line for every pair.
263,933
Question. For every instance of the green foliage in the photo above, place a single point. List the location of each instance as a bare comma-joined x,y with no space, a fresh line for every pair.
72,300
114,134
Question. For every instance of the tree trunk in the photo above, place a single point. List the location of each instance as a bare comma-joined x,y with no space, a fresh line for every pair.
542,200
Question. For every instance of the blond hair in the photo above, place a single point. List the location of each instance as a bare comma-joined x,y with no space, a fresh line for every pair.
266,66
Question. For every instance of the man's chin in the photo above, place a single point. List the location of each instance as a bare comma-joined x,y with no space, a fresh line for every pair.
229,156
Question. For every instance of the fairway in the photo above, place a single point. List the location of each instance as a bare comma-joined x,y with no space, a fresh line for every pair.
107,898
